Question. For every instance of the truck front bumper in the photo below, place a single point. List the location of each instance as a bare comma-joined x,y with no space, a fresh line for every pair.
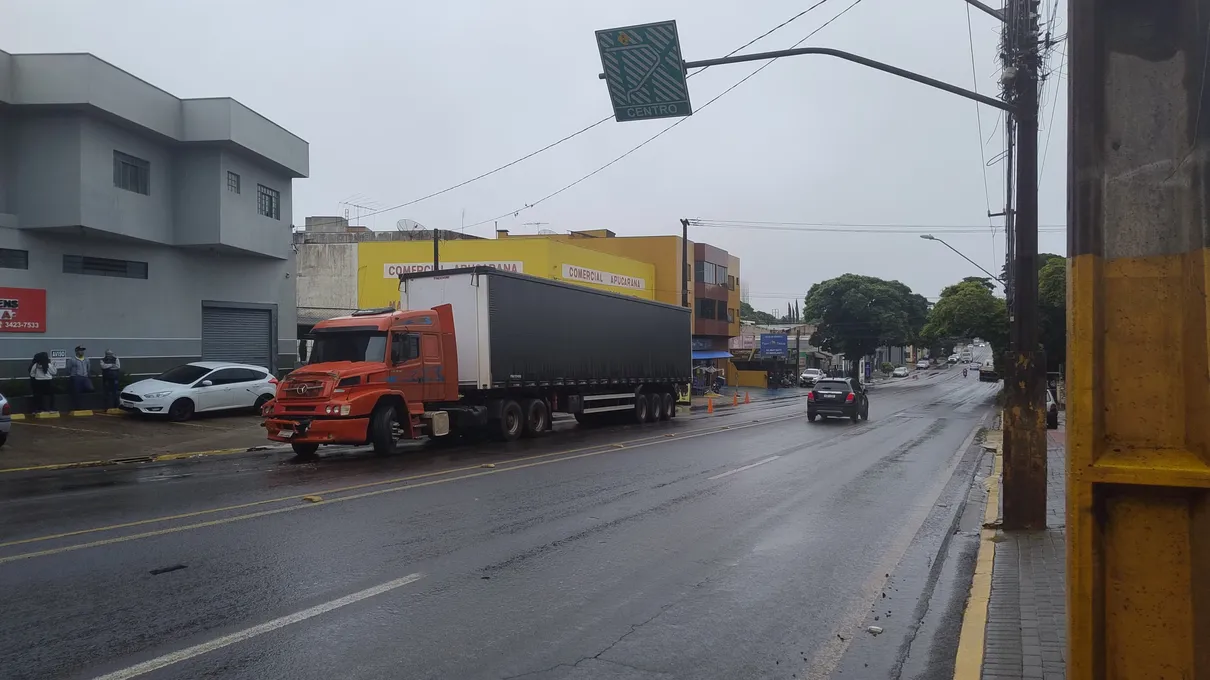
350,431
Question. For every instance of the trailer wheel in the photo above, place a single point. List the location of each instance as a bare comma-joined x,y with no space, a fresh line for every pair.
641,406
537,417
382,426
667,406
655,406
305,451
511,423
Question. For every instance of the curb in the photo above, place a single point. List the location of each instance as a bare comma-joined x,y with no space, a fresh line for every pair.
968,661
67,414
154,458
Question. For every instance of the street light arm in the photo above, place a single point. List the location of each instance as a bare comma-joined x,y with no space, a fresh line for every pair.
930,237
848,56
998,14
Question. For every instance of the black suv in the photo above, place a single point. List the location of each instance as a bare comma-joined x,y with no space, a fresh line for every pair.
839,398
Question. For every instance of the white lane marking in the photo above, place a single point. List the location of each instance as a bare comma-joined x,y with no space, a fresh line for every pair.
240,636
770,459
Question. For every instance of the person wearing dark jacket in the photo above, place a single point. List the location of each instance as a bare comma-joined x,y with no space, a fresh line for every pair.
111,371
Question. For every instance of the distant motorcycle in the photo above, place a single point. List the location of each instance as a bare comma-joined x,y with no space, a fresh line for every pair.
964,373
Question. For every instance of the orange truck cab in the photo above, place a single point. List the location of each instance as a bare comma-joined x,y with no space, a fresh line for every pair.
370,376
487,350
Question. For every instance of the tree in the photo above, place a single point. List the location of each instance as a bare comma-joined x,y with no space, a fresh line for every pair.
965,310
1052,311
854,315
1043,260
747,313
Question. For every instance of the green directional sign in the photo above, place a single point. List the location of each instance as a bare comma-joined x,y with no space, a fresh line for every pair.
644,71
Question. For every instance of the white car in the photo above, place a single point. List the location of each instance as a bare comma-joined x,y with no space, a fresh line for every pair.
6,419
922,364
809,377
900,372
200,386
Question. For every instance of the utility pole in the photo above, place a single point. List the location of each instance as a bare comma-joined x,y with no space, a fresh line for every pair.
1025,365
685,263
436,251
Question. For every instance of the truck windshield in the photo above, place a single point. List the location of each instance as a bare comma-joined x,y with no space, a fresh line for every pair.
348,345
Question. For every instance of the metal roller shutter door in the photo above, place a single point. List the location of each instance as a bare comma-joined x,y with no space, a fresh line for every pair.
238,335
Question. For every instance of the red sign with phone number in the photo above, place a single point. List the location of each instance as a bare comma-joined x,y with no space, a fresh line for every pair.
22,310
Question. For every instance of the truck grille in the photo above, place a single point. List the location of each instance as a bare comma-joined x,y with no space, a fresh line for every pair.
302,389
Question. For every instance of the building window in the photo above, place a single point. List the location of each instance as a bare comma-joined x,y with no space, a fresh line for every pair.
103,266
722,310
730,316
705,308
268,202
232,182
730,282
131,174
720,275
14,259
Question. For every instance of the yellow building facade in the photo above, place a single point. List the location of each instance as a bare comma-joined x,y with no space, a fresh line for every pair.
381,262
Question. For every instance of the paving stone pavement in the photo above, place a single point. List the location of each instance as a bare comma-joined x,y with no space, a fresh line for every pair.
1026,635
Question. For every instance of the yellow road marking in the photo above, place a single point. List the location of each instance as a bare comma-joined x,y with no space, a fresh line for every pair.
968,664
155,458
62,427
365,494
644,441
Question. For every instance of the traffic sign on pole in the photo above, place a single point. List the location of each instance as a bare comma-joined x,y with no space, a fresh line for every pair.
644,71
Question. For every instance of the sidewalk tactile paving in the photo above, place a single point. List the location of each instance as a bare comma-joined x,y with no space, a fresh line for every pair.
1026,633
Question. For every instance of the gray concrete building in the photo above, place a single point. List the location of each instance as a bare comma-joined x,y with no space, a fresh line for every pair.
136,221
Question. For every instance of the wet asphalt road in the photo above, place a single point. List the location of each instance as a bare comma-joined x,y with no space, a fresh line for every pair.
740,545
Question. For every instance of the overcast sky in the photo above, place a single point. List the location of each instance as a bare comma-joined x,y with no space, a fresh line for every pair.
402,99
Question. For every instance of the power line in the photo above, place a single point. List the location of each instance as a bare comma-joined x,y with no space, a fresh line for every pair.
1050,125
850,230
970,39
573,135
661,133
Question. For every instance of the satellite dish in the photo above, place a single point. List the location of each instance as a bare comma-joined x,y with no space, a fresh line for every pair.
408,225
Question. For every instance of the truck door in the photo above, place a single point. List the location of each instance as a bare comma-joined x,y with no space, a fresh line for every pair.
406,371
433,370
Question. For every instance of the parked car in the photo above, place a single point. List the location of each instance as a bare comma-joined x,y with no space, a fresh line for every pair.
200,386
922,364
838,398
900,372
809,377
1052,411
6,419
953,359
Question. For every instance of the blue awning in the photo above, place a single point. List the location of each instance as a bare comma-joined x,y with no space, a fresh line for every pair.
711,354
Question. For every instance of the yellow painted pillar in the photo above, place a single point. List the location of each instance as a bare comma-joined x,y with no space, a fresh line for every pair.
1138,375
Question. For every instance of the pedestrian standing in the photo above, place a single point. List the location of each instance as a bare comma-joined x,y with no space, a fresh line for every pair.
111,370
77,377
41,387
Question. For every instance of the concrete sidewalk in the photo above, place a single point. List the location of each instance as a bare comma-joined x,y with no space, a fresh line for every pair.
104,439
1024,617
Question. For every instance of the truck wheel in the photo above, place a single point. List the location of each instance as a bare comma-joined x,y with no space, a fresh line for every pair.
511,423
304,451
537,418
655,406
640,408
382,426
667,406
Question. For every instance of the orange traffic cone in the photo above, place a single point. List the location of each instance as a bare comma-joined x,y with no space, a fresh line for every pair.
735,398
709,405
747,398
